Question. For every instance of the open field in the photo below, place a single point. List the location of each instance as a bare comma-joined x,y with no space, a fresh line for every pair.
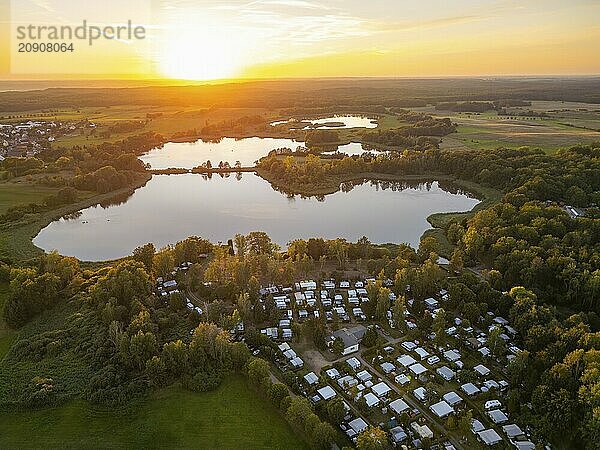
12,194
7,336
566,124
232,416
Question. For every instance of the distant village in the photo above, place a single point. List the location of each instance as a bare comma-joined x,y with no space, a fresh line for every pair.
27,139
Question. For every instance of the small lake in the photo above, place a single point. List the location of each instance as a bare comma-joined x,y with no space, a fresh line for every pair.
353,149
342,121
187,155
172,207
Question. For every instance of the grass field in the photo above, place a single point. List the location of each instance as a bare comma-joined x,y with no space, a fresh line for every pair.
232,416
12,194
7,335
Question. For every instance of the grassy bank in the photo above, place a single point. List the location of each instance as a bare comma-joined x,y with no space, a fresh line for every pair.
232,416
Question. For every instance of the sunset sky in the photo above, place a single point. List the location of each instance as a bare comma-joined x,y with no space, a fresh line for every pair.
203,40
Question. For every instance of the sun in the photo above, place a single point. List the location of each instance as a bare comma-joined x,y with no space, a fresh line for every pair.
201,53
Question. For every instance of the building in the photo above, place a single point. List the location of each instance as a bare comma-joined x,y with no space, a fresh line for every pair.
489,437
350,337
398,406
441,409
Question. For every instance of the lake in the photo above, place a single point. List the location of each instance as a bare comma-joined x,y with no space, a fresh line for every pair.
346,121
172,207
353,149
187,155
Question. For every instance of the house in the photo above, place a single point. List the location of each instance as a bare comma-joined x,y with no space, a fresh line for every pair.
371,400
513,431
451,355
387,367
441,409
470,389
476,426
406,360
398,435
364,376
297,363
358,425
326,392
445,372
497,416
381,389
489,437
431,303
402,379
350,338
418,369
408,346
398,406
452,398
332,373
524,445
311,378
481,370
420,393
422,353
353,363
423,431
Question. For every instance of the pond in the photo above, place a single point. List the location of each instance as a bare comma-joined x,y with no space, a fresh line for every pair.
172,207
342,121
187,155
353,149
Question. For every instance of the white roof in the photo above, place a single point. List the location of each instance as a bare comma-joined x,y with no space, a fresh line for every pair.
326,392
421,352
371,400
445,372
489,437
358,425
354,363
387,367
409,345
476,426
512,430
441,409
363,375
418,369
401,379
332,373
381,389
481,369
406,360
451,355
452,398
420,392
498,416
311,378
469,389
398,406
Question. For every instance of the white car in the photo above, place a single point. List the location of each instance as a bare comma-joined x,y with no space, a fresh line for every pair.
492,404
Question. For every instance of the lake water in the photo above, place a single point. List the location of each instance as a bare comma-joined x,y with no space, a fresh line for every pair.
347,120
187,155
352,149
172,207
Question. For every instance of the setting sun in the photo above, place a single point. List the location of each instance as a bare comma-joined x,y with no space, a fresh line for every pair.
199,55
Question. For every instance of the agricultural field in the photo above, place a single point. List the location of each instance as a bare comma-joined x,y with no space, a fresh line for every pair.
565,124
172,417
12,194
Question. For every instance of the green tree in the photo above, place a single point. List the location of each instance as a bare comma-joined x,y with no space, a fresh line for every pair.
373,438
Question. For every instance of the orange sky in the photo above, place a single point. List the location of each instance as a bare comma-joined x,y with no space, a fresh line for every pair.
212,39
